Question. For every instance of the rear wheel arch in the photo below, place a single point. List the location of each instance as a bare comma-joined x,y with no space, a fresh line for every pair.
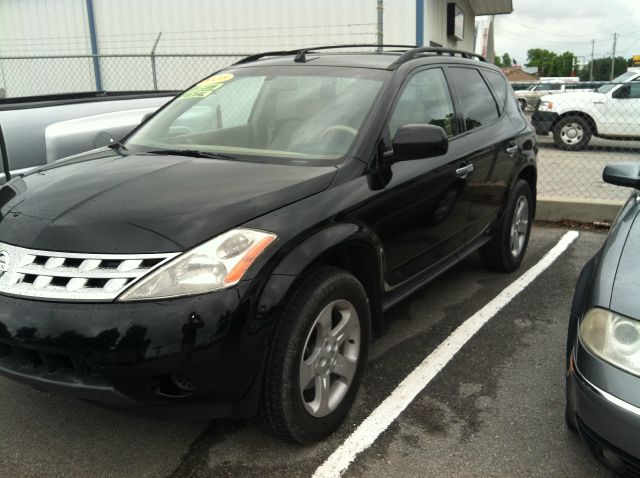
530,175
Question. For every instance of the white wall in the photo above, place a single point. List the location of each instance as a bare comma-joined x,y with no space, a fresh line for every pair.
435,25
60,27
44,27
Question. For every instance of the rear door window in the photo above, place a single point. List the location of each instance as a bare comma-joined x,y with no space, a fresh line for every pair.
477,105
499,85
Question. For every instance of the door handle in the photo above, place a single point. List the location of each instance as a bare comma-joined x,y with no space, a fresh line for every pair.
511,150
464,171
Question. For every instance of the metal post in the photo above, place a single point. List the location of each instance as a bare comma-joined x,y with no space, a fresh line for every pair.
419,22
380,24
613,54
153,62
593,42
94,45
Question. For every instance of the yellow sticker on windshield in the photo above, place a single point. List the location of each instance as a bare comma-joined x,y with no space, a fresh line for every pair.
201,90
218,78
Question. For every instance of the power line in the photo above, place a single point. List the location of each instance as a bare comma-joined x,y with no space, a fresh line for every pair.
543,40
591,34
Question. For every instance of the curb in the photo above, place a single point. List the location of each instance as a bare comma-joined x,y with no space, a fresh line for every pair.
556,209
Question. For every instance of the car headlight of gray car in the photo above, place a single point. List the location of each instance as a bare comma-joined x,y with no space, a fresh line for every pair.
217,264
613,338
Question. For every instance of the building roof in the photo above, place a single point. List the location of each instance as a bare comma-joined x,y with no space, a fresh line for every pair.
515,73
491,7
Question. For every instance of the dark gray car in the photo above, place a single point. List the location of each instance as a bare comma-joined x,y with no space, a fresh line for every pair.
603,345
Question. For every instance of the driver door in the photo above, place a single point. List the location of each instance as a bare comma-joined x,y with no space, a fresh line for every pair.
623,111
425,213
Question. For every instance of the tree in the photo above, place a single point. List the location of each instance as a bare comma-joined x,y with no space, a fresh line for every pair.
506,60
550,63
497,61
602,69
541,58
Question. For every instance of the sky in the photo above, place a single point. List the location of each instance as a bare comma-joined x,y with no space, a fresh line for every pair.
569,25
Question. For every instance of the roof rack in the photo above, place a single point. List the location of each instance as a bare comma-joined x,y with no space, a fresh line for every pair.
257,56
415,52
300,54
410,52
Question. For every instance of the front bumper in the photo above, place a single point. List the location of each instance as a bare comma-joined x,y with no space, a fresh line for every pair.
542,121
607,420
196,355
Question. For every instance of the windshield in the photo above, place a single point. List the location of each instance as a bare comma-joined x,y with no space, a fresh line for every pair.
620,79
294,112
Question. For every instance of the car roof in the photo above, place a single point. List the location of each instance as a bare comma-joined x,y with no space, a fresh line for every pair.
389,59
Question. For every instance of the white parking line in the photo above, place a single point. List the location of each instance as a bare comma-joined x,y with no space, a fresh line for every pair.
376,423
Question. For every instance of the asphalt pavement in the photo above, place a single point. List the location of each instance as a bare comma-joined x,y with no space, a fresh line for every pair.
495,410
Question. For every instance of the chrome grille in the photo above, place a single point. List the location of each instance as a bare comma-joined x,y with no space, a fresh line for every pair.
72,276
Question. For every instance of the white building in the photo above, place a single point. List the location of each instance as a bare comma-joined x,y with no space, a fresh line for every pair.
232,27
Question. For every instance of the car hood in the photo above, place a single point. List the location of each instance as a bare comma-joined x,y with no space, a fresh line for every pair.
624,297
105,202
571,97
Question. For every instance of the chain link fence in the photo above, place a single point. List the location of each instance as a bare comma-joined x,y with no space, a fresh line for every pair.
581,128
580,131
45,75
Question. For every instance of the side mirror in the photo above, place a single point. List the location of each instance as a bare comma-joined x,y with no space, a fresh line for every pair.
146,117
622,174
418,141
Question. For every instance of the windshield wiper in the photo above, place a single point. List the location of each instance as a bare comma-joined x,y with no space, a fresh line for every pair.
191,152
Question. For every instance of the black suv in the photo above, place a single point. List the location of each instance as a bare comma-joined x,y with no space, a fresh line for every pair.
233,254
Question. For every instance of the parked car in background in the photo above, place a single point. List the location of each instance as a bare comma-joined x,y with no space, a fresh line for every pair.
603,346
232,255
40,130
530,97
612,111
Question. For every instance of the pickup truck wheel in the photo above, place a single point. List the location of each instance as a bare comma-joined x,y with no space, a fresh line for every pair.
317,358
507,248
572,133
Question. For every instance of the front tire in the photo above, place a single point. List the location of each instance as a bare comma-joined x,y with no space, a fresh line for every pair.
572,133
507,248
317,358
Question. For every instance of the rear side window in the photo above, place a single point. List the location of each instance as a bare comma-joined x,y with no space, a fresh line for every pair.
477,105
425,100
499,85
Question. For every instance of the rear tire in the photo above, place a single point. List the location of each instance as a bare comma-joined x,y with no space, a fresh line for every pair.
322,338
506,250
572,133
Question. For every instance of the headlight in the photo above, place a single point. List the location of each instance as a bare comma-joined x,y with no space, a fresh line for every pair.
612,337
545,106
216,264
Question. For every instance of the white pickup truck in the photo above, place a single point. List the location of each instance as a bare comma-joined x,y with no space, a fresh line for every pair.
612,111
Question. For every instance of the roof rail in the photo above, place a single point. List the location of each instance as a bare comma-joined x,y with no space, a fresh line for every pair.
257,56
415,52
300,54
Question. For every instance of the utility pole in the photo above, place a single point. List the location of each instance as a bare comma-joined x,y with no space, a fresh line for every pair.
380,25
593,43
613,54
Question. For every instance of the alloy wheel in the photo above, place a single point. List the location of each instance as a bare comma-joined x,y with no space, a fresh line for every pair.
330,358
519,226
